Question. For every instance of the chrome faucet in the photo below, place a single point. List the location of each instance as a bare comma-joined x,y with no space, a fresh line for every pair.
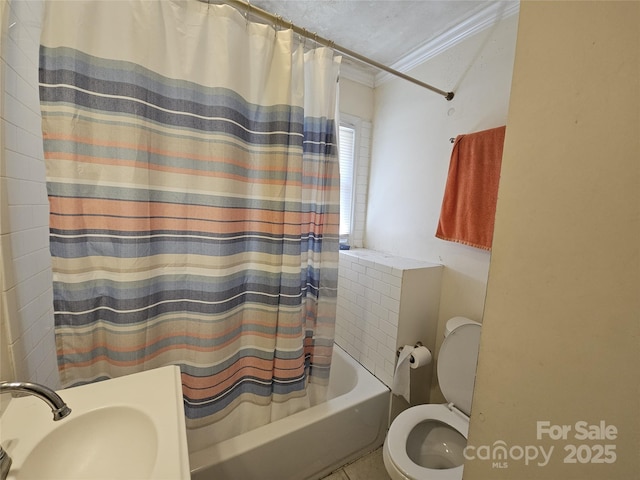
51,398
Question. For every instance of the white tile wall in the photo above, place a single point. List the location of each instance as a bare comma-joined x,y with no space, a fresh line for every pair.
26,288
385,302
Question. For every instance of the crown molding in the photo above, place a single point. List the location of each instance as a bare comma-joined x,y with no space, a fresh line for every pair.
357,74
477,22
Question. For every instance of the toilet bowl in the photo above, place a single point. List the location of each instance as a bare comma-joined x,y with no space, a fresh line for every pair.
427,442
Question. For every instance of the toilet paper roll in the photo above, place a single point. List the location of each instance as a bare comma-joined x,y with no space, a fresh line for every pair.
402,374
420,357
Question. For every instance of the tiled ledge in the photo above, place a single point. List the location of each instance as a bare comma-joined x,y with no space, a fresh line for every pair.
385,301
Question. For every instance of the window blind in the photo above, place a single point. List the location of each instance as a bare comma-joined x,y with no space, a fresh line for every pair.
347,156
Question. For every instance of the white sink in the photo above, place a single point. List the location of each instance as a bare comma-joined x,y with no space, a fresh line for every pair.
125,445
130,427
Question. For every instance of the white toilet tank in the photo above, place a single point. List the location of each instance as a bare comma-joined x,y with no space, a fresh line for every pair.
455,322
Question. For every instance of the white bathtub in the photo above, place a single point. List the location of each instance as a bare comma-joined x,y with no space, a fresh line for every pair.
309,444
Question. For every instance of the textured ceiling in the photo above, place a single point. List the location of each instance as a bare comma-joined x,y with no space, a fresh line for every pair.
384,30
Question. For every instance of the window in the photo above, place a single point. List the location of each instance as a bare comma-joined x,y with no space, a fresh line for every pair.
347,162
354,155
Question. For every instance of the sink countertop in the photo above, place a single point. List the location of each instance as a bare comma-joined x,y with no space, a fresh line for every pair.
149,401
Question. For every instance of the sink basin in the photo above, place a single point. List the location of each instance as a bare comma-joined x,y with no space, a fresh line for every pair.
121,440
127,428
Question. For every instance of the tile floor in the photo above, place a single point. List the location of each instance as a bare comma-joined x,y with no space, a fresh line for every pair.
369,467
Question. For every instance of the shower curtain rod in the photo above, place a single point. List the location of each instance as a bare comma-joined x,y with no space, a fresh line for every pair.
280,22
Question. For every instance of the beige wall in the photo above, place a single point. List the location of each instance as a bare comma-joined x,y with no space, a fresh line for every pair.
560,340
410,160
356,99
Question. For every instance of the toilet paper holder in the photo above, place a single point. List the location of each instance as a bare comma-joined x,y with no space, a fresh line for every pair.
411,359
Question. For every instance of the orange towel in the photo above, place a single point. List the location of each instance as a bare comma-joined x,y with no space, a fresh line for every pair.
469,203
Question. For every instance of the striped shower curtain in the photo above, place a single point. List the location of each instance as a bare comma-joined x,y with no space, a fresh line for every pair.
194,193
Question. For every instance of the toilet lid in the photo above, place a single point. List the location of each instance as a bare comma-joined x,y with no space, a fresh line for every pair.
457,363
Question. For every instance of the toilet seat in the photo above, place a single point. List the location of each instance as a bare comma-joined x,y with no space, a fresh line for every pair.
401,427
457,363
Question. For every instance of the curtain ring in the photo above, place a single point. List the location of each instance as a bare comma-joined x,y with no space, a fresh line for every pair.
276,25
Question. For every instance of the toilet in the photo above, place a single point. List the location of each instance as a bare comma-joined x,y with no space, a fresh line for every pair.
426,442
